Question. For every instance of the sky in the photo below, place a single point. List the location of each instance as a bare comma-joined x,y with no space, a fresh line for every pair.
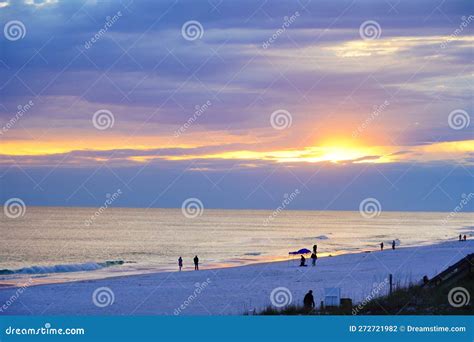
237,104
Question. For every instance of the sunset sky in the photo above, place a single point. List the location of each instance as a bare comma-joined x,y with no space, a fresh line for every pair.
269,97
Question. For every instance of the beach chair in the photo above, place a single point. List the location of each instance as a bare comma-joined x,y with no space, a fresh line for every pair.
332,296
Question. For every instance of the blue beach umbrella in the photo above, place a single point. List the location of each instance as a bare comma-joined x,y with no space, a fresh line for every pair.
301,251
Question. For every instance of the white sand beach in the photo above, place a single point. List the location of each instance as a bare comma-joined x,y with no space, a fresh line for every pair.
234,290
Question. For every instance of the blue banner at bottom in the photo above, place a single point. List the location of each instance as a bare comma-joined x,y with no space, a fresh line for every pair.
241,328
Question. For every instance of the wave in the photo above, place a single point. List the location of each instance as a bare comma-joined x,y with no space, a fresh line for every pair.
322,237
88,266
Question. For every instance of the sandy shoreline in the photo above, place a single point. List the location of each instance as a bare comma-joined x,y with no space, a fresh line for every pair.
233,290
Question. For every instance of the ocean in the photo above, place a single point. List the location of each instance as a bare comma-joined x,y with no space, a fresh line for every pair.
58,244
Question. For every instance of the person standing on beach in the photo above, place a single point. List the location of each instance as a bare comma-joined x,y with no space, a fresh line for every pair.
313,258
315,248
196,263
381,246
308,300
393,244
180,263
465,237
460,237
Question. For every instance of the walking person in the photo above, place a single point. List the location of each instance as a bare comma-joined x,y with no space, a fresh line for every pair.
196,263
180,263
308,301
393,244
313,259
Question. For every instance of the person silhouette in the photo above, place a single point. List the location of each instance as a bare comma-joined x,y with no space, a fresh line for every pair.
308,300
196,263
381,246
313,259
465,237
302,261
393,244
315,248
460,237
180,263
